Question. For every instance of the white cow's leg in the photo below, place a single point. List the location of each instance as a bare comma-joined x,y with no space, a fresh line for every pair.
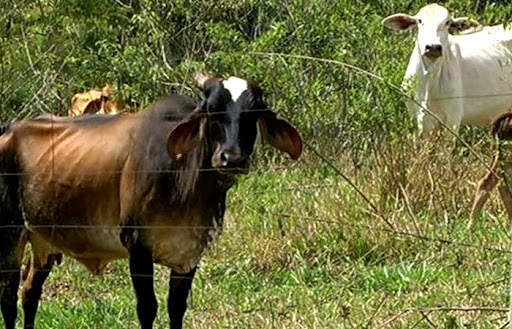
419,121
453,119
426,123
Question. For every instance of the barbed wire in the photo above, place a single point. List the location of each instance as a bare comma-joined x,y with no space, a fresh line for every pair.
112,172
339,222
424,237
55,174
399,90
430,238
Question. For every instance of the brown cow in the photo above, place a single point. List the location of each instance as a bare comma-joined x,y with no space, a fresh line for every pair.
149,186
94,101
501,169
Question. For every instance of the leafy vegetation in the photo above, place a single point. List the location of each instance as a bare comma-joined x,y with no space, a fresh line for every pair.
301,248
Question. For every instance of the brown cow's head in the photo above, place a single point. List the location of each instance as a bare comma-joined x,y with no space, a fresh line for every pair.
94,101
502,126
228,119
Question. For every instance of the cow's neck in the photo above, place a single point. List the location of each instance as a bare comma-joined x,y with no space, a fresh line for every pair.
427,74
196,177
426,67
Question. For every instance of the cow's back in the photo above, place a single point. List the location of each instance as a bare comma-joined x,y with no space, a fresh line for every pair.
486,74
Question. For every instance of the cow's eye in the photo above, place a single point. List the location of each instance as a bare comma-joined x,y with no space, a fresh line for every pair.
420,21
448,23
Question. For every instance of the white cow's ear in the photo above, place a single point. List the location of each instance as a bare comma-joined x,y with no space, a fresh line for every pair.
400,22
465,25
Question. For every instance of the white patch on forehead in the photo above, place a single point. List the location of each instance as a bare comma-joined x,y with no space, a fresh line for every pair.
236,86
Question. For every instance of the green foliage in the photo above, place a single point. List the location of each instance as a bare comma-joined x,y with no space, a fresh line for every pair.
50,50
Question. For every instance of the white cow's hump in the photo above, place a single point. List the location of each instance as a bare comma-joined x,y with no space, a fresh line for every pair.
488,35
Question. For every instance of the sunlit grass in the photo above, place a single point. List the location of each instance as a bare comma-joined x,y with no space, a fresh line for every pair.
300,249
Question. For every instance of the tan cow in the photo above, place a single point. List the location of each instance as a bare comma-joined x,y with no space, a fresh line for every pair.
94,101
501,169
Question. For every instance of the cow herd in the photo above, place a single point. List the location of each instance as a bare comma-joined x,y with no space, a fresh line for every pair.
151,186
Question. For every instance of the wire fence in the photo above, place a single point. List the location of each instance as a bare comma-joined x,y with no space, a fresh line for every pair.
374,209
390,229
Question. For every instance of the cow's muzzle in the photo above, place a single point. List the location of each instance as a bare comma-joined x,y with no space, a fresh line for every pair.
230,162
433,51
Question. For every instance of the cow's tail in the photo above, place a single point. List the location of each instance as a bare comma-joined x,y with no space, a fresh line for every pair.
4,127
502,126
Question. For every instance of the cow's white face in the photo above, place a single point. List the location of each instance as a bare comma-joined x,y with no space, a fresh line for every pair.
433,22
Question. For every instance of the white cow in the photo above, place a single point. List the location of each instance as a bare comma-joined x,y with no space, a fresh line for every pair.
463,79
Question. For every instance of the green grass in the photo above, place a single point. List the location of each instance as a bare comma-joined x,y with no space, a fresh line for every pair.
300,250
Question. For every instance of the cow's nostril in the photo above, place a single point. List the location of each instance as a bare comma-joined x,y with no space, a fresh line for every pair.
432,47
229,159
224,159
433,50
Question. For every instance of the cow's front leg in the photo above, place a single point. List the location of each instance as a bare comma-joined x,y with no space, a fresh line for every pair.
453,122
453,114
426,123
141,271
10,262
37,274
483,190
179,287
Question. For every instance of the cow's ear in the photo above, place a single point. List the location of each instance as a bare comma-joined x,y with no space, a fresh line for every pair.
201,79
465,25
399,22
280,134
186,136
